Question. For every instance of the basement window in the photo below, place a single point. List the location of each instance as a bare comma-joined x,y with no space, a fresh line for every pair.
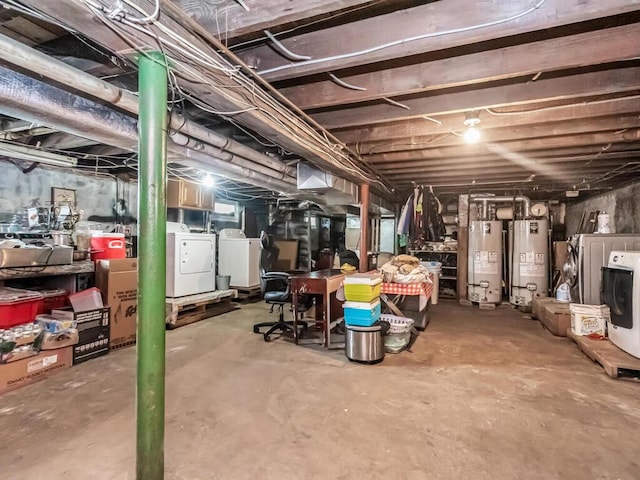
225,210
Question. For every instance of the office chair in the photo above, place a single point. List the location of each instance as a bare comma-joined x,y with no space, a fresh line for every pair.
276,290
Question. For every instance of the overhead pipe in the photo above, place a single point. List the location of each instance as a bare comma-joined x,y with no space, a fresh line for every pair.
37,102
193,158
34,61
485,200
194,144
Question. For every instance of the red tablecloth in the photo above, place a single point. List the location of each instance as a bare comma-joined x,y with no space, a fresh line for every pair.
425,288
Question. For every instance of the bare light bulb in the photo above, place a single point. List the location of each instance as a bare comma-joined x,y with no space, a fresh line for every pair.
472,135
208,180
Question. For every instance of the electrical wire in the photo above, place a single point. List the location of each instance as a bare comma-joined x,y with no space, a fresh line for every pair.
395,43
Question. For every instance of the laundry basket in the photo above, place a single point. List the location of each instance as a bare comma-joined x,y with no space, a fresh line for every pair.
399,334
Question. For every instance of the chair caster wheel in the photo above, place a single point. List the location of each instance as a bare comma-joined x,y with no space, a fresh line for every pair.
267,338
256,330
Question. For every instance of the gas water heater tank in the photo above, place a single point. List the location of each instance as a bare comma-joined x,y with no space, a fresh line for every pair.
485,262
529,260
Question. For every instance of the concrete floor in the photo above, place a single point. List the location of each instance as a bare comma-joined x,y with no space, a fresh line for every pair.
484,395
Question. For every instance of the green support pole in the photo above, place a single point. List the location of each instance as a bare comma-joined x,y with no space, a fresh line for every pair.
152,217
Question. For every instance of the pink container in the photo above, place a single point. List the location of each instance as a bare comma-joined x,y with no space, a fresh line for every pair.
89,299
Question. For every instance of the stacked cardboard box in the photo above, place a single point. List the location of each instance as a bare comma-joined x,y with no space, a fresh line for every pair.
118,281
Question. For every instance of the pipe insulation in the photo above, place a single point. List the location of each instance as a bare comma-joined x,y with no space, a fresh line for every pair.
194,144
29,99
37,62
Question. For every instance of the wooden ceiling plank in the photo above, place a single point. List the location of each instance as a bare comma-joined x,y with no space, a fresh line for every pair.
419,126
596,140
580,155
229,20
539,130
562,88
500,163
591,48
431,19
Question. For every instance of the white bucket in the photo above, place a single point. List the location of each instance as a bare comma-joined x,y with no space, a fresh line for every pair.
563,293
434,268
603,223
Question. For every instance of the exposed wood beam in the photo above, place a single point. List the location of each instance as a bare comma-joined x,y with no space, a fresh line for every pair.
420,126
327,47
229,20
503,166
586,155
561,141
544,170
590,48
562,88
265,119
506,134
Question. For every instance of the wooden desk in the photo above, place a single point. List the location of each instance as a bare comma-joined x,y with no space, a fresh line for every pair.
321,282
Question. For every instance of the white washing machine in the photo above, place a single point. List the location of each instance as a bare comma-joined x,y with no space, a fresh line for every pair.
620,287
191,261
239,257
587,254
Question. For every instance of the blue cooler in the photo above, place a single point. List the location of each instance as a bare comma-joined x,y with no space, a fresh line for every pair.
361,314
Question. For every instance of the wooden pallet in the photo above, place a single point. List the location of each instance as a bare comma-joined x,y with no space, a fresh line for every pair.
615,362
193,308
248,294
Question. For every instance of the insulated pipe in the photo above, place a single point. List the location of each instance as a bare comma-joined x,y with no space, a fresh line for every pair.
32,60
32,100
485,201
37,102
193,144
152,268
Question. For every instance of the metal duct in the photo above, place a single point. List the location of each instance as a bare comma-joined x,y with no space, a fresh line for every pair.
333,190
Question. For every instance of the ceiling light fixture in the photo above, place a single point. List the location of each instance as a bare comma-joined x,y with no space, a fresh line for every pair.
32,155
472,135
208,180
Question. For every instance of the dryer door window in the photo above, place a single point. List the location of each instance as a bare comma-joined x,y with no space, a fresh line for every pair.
617,288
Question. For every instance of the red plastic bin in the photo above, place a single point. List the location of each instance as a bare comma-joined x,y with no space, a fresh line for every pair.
18,306
55,298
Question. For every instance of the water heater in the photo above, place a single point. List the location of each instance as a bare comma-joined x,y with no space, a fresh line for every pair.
485,262
529,259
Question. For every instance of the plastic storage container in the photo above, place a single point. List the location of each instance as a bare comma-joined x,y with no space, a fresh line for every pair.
362,287
361,314
54,298
52,324
18,306
89,299
107,245
434,268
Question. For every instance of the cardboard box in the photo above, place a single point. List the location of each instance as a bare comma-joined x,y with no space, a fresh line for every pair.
93,338
537,308
29,370
556,318
118,281
287,255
